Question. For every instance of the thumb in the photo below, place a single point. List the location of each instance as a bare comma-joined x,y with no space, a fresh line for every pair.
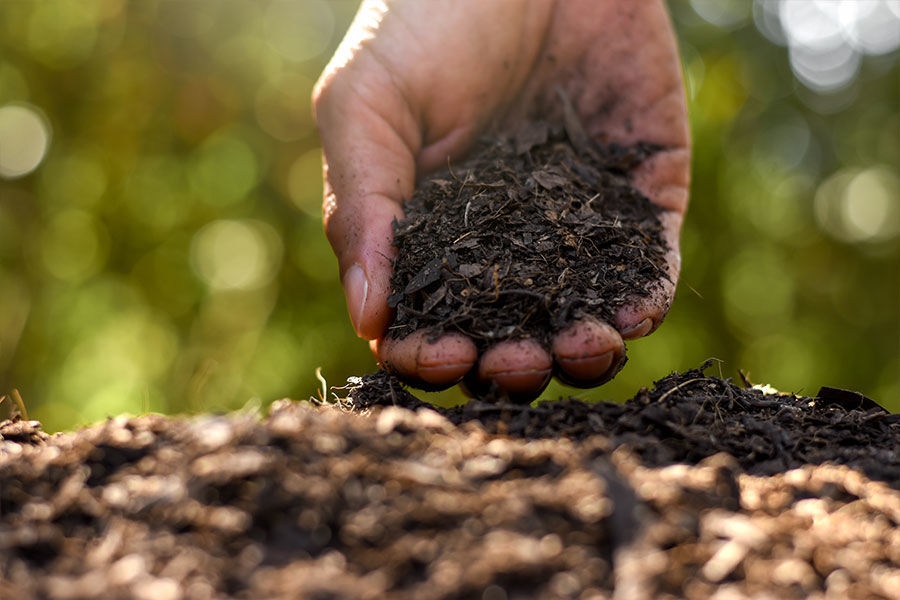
369,144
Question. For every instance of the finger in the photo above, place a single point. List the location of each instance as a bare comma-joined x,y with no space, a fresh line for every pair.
587,353
369,143
434,364
665,178
643,315
361,239
519,369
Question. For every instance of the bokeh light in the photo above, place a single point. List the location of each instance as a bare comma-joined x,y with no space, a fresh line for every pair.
758,291
283,108
223,170
62,35
24,138
722,13
236,255
828,38
299,30
860,205
304,185
75,178
73,245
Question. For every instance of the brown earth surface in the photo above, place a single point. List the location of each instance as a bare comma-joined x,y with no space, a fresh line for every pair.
696,488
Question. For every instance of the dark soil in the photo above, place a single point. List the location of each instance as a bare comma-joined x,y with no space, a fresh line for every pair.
690,416
362,500
533,231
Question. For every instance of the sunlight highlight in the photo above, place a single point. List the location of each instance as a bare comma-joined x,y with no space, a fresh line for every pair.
24,139
827,39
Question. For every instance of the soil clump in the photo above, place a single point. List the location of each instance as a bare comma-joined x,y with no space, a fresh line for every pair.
366,499
533,231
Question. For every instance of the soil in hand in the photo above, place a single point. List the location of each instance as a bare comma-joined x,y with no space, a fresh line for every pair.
532,232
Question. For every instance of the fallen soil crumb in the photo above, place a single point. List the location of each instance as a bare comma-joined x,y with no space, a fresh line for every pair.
532,232
362,500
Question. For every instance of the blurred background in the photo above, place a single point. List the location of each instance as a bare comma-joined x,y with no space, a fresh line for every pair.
160,239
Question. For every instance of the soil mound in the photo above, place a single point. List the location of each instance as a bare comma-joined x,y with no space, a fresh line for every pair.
689,416
362,500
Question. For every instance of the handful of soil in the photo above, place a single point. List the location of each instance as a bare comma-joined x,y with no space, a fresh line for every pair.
533,232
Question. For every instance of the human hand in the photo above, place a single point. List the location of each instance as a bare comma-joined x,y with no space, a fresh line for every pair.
416,82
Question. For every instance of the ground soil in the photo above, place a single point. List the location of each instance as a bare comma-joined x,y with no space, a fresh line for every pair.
696,488
532,231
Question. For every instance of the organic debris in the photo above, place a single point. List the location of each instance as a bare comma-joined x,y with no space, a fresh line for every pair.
385,502
532,232
690,416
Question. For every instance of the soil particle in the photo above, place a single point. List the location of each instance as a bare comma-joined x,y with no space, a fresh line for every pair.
363,500
532,232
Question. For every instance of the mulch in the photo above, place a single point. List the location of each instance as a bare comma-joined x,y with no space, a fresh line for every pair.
696,488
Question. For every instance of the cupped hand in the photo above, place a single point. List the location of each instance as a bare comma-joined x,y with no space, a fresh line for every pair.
411,87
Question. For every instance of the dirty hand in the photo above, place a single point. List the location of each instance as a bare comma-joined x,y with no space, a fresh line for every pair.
415,82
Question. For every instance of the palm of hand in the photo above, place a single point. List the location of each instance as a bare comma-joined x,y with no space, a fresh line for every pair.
415,85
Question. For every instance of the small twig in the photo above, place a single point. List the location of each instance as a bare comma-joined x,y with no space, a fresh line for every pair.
323,395
449,168
465,235
393,393
699,411
690,287
483,184
679,386
464,181
20,404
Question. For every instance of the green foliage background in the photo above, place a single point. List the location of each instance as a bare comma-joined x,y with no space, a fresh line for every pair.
167,254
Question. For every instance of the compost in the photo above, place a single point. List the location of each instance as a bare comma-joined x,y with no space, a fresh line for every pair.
687,417
696,488
533,231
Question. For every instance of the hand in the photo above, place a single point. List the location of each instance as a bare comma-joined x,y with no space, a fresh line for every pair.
416,82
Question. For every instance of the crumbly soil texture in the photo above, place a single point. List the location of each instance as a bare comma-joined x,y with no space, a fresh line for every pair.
532,232
696,488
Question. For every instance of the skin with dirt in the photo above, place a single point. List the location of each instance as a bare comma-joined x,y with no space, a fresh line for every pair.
534,231
364,498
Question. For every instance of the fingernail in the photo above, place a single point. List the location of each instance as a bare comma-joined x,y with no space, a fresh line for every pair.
588,368
524,384
356,288
639,330
444,374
